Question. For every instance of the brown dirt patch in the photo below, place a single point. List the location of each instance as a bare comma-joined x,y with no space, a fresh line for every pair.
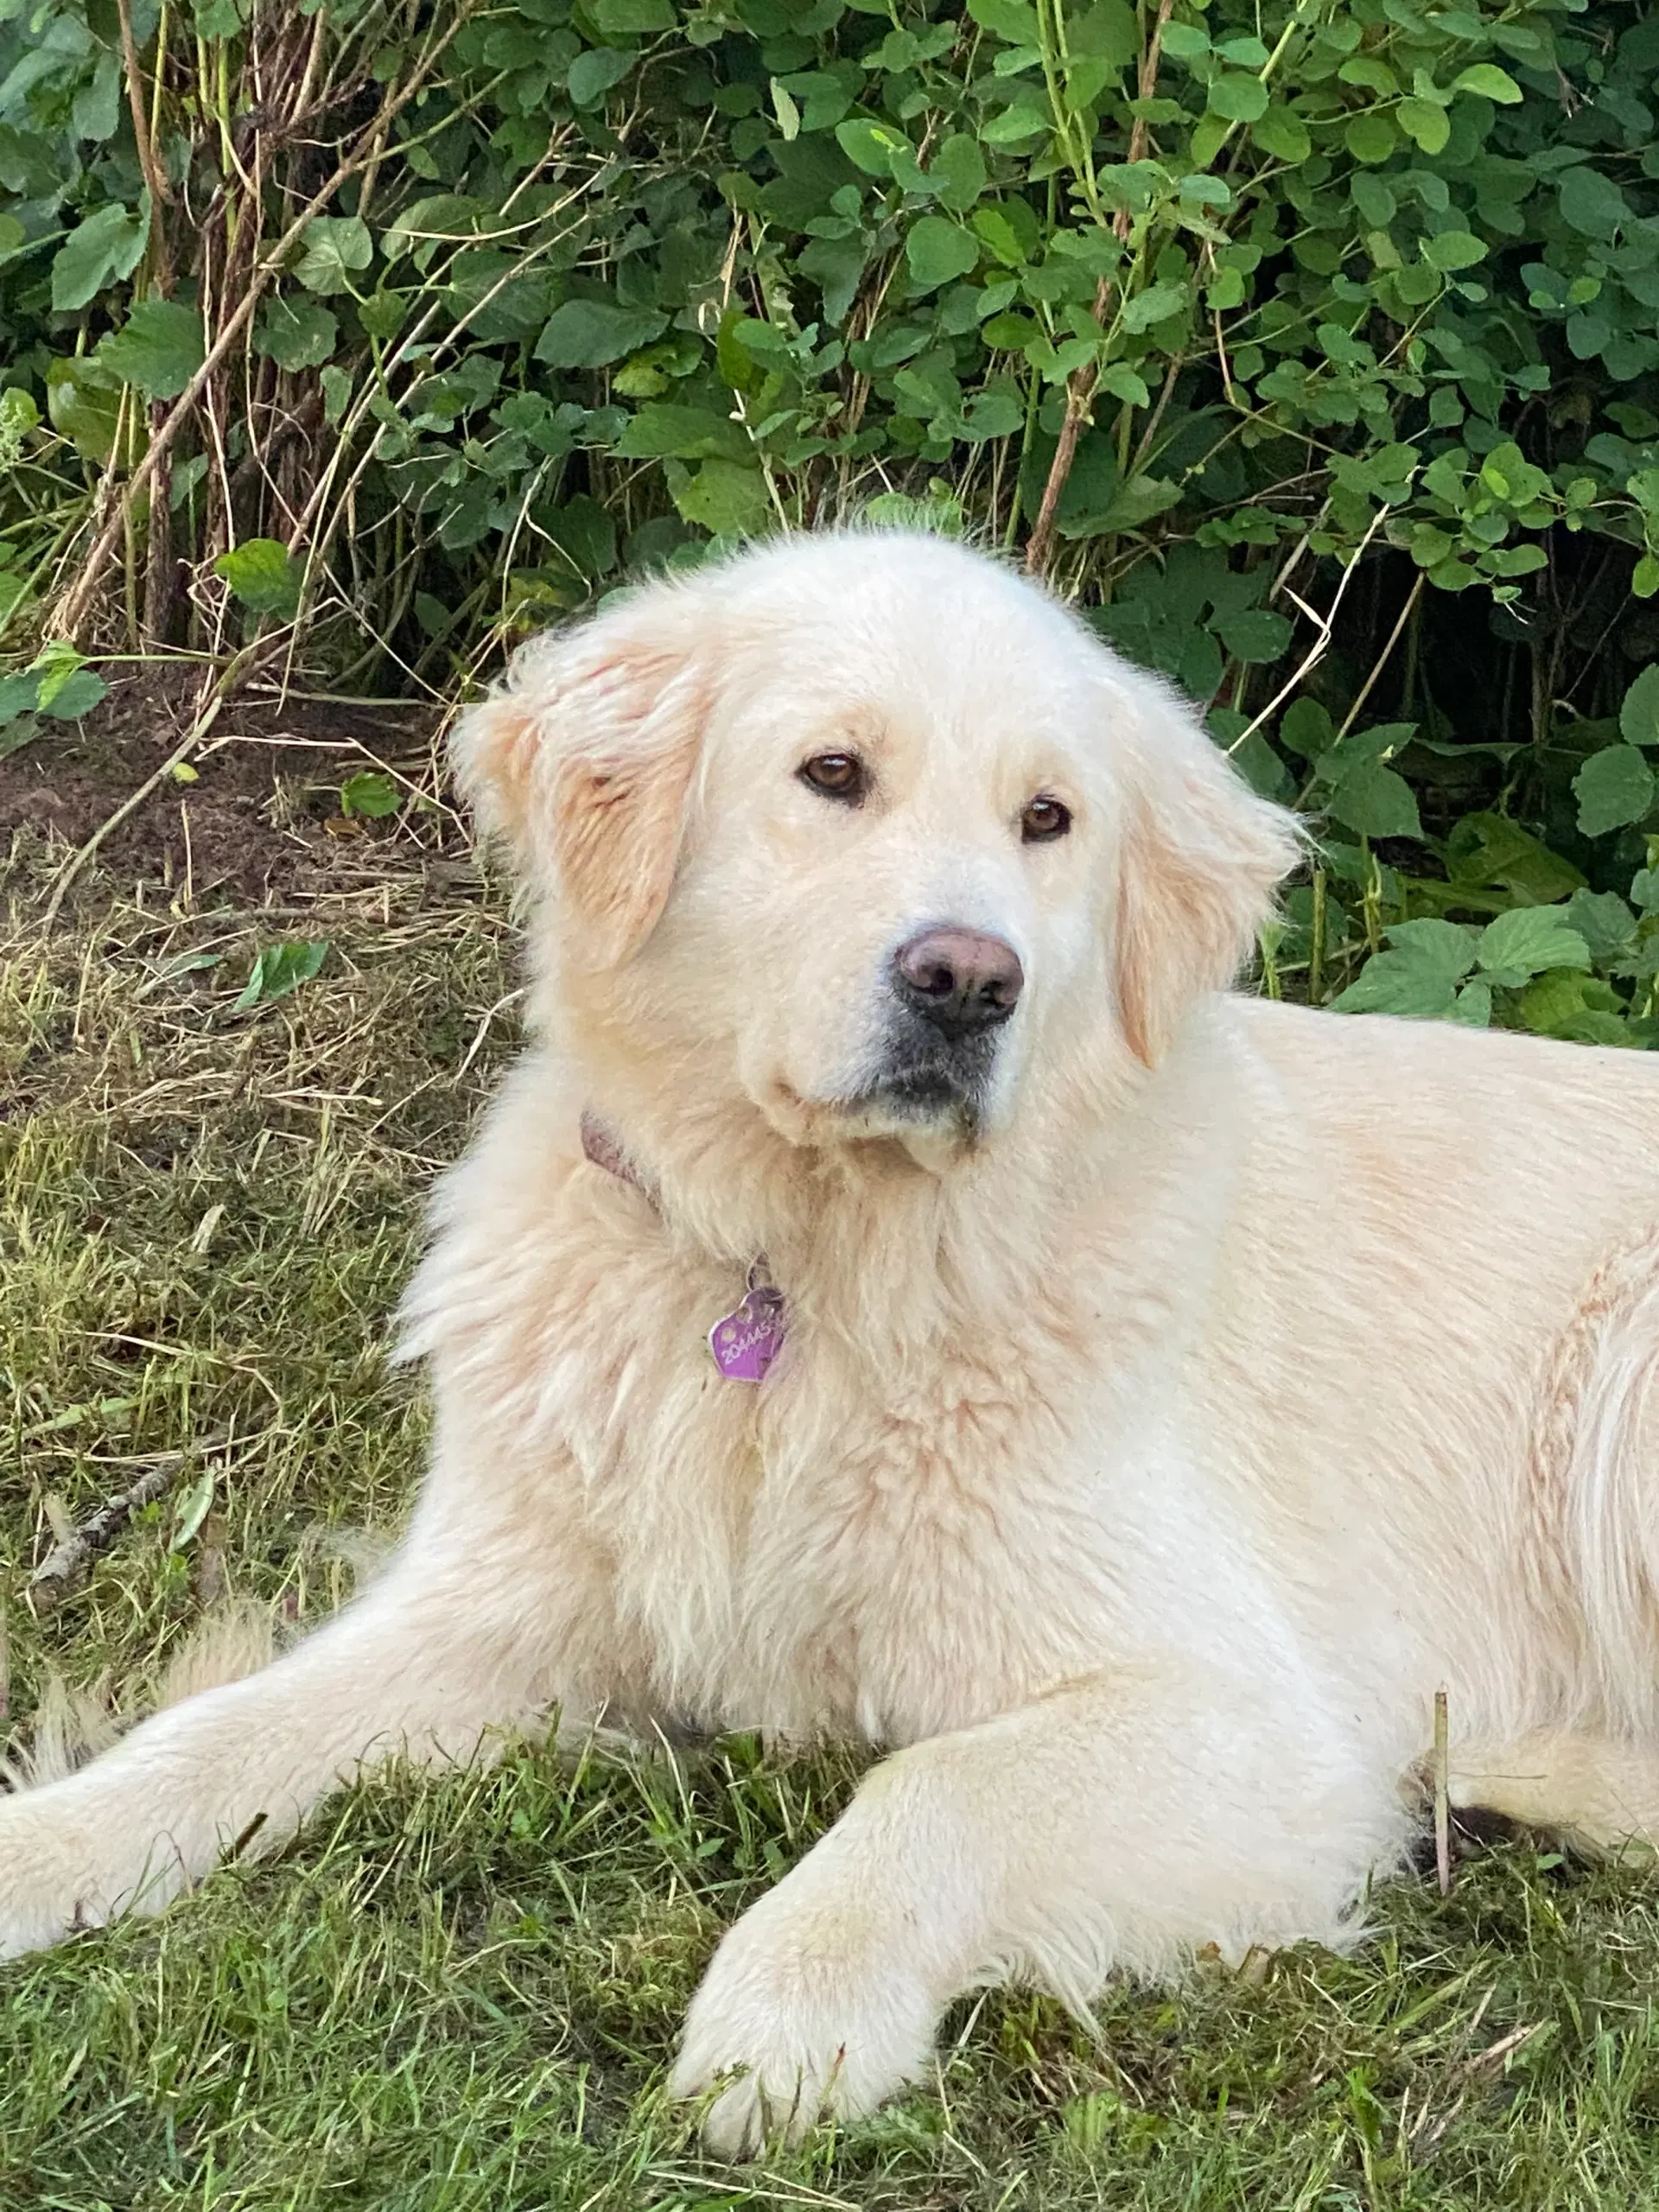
261,816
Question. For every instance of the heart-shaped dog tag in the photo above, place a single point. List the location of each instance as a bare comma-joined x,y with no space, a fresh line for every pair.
745,1341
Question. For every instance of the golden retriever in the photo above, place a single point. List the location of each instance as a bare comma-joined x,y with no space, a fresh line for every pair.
902,1292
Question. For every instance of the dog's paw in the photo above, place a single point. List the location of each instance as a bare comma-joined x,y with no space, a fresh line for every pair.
40,1899
54,1879
801,2015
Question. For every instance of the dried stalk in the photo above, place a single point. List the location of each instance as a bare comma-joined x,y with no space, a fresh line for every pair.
64,1564
72,609
160,193
1080,385
1442,1797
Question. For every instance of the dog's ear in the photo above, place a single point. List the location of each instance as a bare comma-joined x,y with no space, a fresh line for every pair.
1201,858
581,761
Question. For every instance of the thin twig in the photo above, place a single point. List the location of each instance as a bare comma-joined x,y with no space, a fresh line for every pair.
1382,660
160,193
1323,623
64,1564
1442,1796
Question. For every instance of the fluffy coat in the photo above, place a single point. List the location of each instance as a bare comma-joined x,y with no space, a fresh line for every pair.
1156,1429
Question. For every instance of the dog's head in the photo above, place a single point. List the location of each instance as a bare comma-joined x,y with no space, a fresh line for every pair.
859,825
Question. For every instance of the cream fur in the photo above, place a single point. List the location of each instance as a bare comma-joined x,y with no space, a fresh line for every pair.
1136,1470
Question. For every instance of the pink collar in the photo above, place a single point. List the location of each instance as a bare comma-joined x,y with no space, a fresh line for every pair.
602,1148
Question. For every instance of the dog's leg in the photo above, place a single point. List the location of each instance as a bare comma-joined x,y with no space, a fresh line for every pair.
1590,1789
1123,1821
425,1664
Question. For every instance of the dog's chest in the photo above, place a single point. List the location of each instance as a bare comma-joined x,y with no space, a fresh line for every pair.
890,1561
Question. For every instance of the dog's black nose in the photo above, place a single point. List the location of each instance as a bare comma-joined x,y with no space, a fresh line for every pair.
959,980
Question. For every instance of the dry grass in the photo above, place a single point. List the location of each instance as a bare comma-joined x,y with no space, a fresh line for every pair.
462,1992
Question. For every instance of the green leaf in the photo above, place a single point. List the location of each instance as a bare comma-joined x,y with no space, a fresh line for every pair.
1484,849
1592,204
1615,787
724,496
938,252
75,694
1236,97
993,414
1639,718
835,265
999,234
83,404
55,683
1451,250
592,334
1282,134
1426,122
295,333
788,115
1603,921
1577,1008
1375,800
661,430
586,534
1018,123
381,314
1491,82
1118,378
96,109
19,694
1307,728
631,18
1156,304
1526,941
1417,978
1371,137
158,349
264,577
1187,41
333,250
1012,21
871,146
278,969
595,72
957,172
99,251
1255,635
369,793
193,1506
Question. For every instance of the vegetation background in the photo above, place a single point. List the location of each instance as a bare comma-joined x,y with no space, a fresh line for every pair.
1312,349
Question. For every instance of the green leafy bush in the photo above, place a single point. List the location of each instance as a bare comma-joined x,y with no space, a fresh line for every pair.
1313,348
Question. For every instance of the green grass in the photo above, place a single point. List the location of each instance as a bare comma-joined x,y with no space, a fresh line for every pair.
462,1990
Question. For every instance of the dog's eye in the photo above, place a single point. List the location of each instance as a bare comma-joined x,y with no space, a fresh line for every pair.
838,775
1044,820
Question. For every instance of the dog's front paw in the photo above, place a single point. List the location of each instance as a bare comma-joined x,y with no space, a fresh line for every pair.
40,1901
58,1872
803,2012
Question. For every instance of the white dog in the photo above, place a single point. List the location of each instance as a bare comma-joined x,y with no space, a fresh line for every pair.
901,1293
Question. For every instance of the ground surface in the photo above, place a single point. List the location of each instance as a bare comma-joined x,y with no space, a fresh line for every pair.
463,1993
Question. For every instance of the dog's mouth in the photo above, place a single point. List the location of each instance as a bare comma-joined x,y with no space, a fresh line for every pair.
926,1086
934,1095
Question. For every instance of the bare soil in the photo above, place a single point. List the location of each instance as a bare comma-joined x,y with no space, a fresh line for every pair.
262,814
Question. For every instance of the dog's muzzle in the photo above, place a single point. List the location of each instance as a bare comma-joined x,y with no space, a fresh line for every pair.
950,989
